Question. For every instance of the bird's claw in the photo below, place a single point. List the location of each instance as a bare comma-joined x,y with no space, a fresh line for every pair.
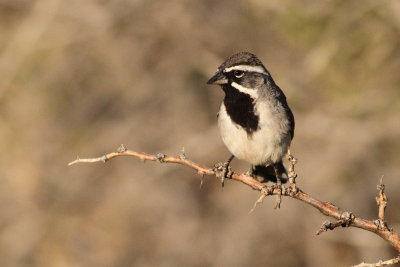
223,170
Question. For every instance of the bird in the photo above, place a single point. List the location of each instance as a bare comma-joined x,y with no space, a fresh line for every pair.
254,119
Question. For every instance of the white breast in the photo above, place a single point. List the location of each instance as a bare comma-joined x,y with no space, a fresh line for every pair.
265,146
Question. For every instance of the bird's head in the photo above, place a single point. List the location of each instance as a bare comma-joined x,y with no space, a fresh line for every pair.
243,71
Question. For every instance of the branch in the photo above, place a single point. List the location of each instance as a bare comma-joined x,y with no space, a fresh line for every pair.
344,219
380,263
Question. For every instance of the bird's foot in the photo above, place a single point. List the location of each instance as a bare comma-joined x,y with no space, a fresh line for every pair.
278,186
222,171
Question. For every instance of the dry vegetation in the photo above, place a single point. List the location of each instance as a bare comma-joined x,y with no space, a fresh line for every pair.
81,77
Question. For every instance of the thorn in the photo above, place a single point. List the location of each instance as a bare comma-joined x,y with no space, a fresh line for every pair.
381,185
265,191
201,181
121,149
182,155
259,201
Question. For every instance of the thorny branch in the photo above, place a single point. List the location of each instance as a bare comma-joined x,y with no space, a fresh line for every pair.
344,219
380,263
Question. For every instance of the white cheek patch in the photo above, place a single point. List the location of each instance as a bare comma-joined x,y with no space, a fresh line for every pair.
251,92
257,69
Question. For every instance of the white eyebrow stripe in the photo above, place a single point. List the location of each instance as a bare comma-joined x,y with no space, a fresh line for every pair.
258,69
251,92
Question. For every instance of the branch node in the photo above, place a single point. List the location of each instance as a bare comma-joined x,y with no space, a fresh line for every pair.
160,157
293,190
121,149
382,225
347,218
104,159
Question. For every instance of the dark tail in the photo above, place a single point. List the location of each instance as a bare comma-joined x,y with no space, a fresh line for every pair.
267,173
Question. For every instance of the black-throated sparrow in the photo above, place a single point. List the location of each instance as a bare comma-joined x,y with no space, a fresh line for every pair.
255,121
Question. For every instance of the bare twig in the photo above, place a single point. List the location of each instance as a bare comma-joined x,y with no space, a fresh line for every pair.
380,263
326,208
345,221
381,200
267,190
291,173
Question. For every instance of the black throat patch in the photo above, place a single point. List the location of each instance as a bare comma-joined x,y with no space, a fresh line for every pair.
240,108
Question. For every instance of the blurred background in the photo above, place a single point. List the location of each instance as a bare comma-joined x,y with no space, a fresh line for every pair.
83,77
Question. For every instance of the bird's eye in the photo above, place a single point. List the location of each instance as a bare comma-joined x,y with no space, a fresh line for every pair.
238,73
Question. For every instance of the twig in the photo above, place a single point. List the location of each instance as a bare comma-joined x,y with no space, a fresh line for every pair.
266,191
326,208
291,173
380,263
381,200
345,221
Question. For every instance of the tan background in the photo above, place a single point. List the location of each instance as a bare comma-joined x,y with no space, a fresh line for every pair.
81,77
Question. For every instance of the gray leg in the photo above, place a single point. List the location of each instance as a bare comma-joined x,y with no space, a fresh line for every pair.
279,186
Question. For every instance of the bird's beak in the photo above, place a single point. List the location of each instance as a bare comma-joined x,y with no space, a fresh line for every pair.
218,78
